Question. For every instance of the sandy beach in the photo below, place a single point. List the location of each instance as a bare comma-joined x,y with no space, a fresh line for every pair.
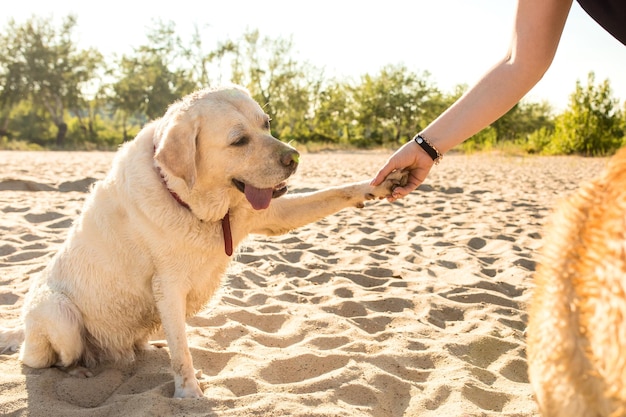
415,308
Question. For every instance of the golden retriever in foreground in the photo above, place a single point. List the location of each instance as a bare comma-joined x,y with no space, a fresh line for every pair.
156,235
577,323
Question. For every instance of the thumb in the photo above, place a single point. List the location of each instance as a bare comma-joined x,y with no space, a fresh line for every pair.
387,169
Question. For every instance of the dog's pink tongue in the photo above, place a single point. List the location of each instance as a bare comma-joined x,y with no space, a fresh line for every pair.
260,198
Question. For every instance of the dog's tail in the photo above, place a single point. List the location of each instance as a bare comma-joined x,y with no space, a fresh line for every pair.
11,339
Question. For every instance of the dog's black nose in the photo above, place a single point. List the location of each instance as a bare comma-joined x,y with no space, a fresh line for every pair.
290,158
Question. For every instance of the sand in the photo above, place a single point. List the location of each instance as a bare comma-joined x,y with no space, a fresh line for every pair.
415,308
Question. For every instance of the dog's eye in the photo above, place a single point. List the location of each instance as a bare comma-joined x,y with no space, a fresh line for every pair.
267,124
242,141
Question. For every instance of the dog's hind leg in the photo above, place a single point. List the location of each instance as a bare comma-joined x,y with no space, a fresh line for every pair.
11,339
37,351
53,333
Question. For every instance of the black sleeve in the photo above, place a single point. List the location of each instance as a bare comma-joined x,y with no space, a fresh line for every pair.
610,14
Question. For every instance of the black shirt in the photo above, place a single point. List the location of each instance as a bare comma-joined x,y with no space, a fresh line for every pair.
610,14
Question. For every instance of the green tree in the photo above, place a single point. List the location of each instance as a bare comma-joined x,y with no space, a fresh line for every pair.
335,113
283,87
622,123
13,85
523,119
393,105
591,123
205,67
128,92
154,76
42,63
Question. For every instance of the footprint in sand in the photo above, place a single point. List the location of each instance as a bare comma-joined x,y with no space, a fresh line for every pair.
372,325
81,186
435,399
470,295
357,394
268,323
26,256
329,342
347,309
211,362
483,351
24,185
485,399
447,264
63,224
341,292
7,250
278,341
440,315
525,263
477,243
515,370
89,392
364,281
301,368
160,382
30,237
8,299
389,305
43,217
241,387
11,209
500,287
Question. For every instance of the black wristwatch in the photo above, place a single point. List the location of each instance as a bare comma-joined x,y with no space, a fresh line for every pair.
428,147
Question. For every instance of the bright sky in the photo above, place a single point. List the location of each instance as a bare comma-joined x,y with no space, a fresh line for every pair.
455,40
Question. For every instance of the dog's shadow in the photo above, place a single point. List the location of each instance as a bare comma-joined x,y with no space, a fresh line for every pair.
142,388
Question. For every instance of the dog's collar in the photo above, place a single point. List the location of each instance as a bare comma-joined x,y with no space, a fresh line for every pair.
228,237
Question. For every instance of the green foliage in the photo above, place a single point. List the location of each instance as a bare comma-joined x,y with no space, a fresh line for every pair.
30,124
148,81
539,140
282,86
591,125
18,145
515,127
56,95
485,140
390,106
41,63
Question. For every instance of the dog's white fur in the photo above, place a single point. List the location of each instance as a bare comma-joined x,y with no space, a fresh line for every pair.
136,258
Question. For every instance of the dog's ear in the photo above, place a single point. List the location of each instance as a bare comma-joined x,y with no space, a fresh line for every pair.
176,147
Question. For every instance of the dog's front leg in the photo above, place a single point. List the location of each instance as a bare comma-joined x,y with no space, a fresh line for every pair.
171,303
296,210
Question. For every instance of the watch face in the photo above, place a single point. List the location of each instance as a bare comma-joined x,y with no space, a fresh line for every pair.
419,140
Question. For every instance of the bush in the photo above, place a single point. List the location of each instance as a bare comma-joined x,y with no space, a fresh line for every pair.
591,125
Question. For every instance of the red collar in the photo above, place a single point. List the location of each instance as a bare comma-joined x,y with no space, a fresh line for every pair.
228,237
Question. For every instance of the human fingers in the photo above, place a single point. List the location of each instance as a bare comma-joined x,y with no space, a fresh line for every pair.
416,178
387,169
403,158
400,192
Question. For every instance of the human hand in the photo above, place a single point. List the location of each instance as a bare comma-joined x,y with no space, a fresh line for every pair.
411,158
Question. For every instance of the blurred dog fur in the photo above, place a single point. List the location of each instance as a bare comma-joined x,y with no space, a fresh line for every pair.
577,322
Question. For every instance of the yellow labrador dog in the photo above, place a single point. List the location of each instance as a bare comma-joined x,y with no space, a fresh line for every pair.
156,235
577,321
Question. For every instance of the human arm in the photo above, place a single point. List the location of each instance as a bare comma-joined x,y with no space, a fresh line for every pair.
537,30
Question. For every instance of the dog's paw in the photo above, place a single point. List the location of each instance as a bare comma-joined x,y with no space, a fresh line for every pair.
384,190
190,389
189,392
77,371
155,344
